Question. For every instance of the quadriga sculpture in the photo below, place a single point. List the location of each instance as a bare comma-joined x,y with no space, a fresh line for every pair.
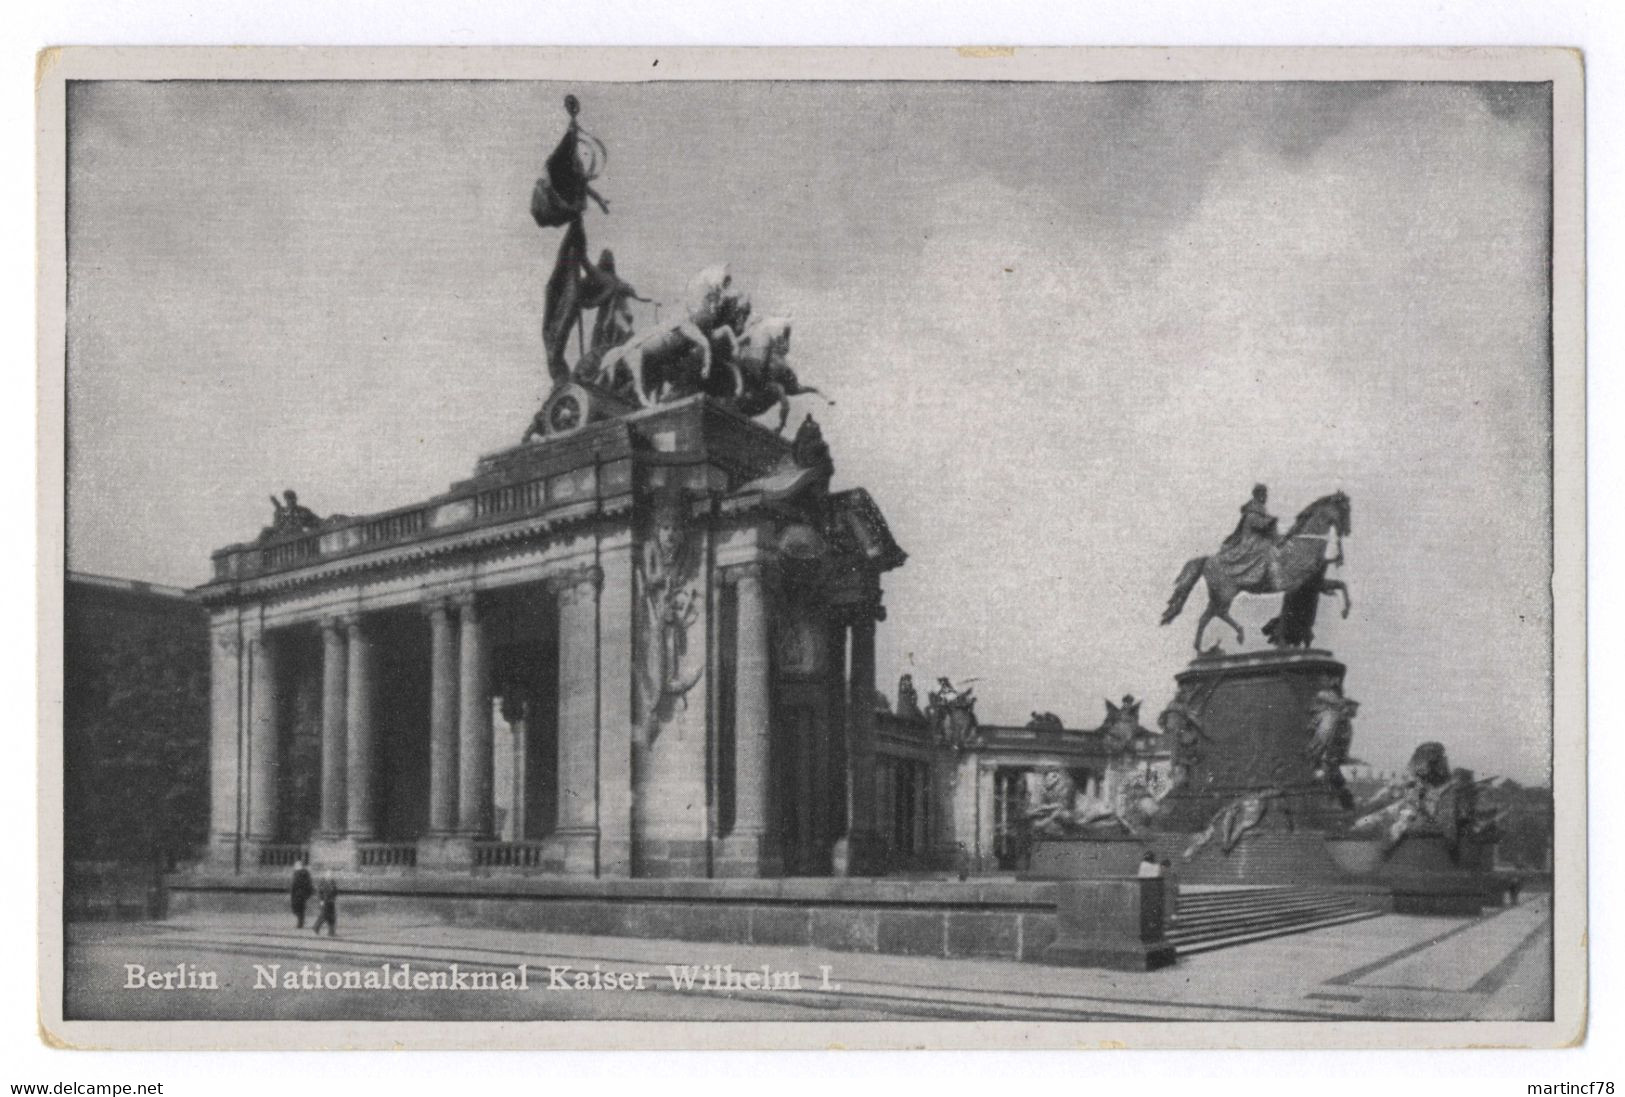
767,379
646,364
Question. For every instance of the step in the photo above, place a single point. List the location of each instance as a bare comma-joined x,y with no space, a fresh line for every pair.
1266,902
1186,933
1234,916
1281,910
1198,934
1199,947
1232,895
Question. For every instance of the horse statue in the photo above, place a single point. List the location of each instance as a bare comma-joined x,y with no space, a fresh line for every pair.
1261,563
768,380
651,362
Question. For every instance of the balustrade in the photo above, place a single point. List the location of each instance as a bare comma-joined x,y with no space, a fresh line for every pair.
283,854
387,854
530,495
522,855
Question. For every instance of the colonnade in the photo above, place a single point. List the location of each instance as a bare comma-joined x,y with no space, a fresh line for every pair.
460,783
596,820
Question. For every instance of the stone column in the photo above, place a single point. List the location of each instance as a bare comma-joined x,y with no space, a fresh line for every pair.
474,765
967,844
442,719
264,758
225,748
362,820
577,593
860,835
829,771
335,699
615,610
750,849
984,818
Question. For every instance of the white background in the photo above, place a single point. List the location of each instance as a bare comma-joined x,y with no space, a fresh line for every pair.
1594,28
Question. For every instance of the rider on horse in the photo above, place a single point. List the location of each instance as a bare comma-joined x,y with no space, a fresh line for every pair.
1257,559
1247,553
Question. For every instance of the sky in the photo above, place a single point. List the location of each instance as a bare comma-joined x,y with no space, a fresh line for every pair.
1066,329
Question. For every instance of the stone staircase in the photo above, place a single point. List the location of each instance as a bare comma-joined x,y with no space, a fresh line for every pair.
1262,857
1212,918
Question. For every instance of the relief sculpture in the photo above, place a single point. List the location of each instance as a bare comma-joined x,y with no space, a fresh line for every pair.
670,602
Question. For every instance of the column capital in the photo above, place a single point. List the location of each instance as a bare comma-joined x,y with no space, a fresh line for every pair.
437,606
334,625
229,642
467,603
353,624
576,582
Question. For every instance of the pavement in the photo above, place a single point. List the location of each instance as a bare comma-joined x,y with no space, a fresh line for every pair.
1395,967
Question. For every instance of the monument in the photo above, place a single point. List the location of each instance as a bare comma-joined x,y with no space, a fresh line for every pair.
1254,791
1260,738
1426,839
652,619
1255,741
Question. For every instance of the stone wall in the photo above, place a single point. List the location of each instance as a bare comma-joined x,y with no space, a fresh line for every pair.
1003,920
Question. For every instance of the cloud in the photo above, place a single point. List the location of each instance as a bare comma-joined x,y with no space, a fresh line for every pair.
1066,327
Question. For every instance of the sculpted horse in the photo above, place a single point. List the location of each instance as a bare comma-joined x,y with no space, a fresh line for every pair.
1297,566
662,357
768,381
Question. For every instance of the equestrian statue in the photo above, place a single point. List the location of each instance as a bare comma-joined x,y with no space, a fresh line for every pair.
1255,559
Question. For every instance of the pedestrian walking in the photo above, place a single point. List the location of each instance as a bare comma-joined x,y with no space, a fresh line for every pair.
327,898
300,892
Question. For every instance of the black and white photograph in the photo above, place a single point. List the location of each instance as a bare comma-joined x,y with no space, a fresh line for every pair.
928,539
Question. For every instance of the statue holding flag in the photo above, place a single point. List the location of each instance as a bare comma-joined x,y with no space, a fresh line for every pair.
560,198
709,347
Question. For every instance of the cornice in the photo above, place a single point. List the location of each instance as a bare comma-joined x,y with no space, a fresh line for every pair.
490,542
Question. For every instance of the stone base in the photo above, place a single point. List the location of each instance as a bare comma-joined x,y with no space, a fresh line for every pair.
577,850
445,852
1116,924
614,858
856,855
333,852
670,858
1439,897
1263,856
748,855
1085,857
1424,876
1005,920
226,854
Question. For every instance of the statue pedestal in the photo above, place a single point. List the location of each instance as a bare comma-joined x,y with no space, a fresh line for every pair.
1422,875
1256,710
1086,856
